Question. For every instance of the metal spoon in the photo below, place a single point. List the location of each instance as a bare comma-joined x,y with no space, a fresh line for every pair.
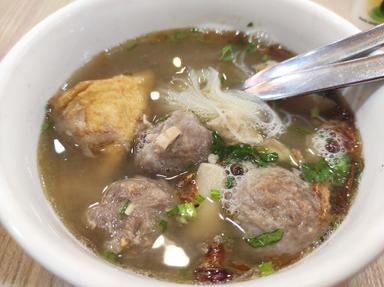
328,67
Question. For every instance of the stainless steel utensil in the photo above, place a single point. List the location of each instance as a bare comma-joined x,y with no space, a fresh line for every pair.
339,64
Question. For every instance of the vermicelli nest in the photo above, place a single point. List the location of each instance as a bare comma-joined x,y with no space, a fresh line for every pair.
230,112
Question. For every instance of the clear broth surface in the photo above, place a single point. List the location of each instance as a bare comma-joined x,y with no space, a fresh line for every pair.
73,182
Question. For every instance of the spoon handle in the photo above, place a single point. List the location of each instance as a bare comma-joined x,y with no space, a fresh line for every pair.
325,77
354,46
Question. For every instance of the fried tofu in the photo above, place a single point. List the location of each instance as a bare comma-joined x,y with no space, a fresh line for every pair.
103,114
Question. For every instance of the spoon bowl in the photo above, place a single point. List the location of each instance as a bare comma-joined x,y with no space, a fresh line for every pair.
340,64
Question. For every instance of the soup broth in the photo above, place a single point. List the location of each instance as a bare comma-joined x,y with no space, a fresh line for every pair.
183,252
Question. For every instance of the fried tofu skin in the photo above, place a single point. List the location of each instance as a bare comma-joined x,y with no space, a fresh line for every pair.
103,115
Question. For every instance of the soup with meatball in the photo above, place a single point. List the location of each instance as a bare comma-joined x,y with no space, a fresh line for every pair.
154,159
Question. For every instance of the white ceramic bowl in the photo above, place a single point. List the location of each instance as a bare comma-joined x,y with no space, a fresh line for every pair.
41,62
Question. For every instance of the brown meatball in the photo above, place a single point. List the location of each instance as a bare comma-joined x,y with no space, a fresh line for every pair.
102,114
129,213
266,199
170,147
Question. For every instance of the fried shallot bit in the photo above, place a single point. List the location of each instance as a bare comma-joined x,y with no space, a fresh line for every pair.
322,191
341,197
277,53
215,254
186,188
240,267
351,137
212,270
351,178
212,274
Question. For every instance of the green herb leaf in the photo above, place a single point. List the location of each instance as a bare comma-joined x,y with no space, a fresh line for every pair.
251,47
177,36
316,172
229,182
199,198
342,165
321,171
163,225
341,170
269,156
124,208
215,193
110,256
44,126
266,268
227,53
266,238
218,145
250,24
245,152
173,211
187,210
240,152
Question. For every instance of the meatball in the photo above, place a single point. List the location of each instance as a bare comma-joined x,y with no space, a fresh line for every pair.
170,147
129,213
102,114
266,199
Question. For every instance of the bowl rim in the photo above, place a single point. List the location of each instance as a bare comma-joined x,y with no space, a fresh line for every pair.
12,226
